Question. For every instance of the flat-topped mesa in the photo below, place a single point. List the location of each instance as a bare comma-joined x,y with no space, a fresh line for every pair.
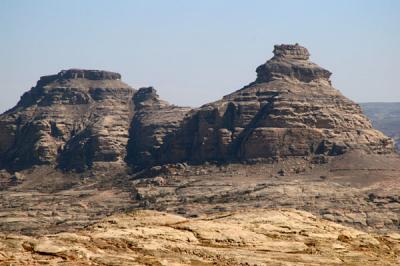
291,62
75,86
88,74
80,74
76,118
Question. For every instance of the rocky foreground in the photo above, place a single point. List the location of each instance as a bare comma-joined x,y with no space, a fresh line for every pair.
252,237
357,190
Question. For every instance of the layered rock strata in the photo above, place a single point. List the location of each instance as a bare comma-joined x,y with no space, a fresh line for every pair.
73,119
290,110
81,118
153,125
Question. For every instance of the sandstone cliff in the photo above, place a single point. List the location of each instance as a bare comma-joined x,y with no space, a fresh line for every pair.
73,119
290,110
79,119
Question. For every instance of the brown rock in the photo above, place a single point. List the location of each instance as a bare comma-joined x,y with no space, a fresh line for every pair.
290,110
74,119
80,119
152,128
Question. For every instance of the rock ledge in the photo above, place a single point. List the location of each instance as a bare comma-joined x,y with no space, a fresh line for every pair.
80,74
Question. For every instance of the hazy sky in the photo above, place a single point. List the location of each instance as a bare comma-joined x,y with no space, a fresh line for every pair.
194,52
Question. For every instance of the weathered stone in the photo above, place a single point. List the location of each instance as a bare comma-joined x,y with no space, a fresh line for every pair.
153,126
73,119
291,61
80,119
252,237
290,110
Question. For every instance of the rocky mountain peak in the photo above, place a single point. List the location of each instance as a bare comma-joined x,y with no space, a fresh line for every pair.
291,62
291,51
74,118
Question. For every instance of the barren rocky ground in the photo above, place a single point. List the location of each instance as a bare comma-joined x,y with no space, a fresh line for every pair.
251,237
343,190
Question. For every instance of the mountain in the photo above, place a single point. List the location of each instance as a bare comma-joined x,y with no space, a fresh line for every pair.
73,119
80,119
285,169
385,117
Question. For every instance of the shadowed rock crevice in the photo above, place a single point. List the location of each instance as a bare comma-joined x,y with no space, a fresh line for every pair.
154,121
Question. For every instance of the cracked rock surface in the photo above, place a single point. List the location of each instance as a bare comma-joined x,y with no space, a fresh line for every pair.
251,237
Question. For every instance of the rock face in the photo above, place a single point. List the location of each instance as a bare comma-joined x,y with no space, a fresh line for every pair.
78,119
154,123
73,119
252,237
291,61
290,110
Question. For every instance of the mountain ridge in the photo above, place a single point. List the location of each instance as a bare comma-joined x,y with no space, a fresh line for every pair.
80,119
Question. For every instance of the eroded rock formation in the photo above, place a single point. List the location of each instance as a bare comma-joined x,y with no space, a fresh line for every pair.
290,110
78,119
153,125
73,119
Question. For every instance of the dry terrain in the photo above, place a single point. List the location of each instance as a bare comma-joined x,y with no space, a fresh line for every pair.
252,237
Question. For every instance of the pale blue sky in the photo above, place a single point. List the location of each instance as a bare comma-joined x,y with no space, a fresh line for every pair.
194,52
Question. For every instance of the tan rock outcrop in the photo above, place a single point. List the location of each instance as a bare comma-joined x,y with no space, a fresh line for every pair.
253,237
